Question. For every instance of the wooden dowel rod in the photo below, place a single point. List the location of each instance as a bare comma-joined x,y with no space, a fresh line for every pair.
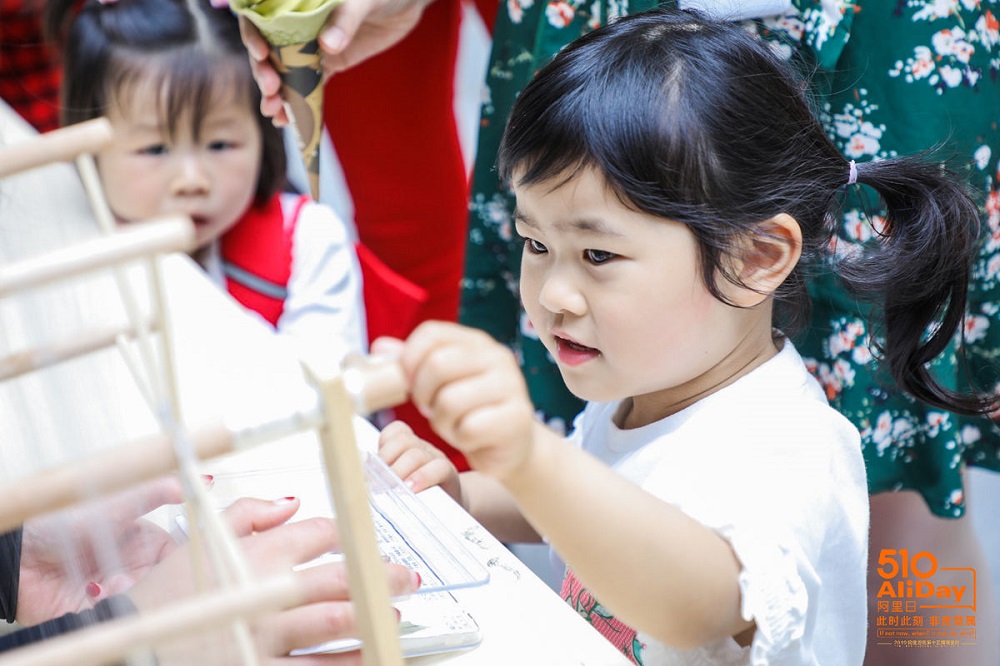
112,641
61,145
222,548
165,235
128,464
101,473
87,342
120,467
366,575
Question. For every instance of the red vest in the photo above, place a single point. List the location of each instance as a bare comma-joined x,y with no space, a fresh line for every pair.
257,262
257,257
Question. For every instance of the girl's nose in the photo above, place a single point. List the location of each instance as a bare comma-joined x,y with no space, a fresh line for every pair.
192,178
559,294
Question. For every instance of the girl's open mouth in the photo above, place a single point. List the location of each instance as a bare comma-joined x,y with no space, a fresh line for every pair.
572,353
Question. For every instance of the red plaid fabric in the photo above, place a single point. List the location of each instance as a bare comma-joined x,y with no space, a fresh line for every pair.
29,75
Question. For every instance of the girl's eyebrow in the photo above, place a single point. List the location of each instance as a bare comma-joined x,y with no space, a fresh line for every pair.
519,216
586,224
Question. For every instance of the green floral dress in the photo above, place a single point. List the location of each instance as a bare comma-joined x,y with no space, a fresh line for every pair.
893,78
898,78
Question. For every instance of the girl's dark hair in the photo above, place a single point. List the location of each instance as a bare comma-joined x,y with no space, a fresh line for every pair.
187,47
700,122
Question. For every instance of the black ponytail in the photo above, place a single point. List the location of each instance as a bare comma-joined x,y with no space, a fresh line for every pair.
918,273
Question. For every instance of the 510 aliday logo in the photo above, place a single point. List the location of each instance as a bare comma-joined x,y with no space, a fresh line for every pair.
911,577
923,605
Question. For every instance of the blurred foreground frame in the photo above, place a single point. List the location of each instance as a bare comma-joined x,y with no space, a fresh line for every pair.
147,348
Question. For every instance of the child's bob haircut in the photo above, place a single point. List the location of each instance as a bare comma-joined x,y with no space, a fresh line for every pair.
186,50
699,121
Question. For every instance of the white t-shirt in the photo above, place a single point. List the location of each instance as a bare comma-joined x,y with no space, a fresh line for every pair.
776,471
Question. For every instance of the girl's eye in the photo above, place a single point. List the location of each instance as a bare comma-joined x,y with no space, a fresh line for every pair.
156,149
598,257
534,246
220,145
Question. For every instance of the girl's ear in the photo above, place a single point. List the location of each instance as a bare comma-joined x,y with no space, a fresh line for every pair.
771,254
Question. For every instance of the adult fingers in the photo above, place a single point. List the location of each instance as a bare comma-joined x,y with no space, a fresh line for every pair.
292,544
343,24
329,582
311,625
271,104
343,659
119,512
257,46
249,515
138,501
330,616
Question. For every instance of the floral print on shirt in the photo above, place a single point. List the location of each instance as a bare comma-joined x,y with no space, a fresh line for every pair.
622,636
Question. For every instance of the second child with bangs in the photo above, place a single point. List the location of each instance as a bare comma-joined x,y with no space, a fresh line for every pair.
173,78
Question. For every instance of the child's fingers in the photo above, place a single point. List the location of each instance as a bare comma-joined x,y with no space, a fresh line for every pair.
442,364
431,335
387,346
403,458
396,430
435,472
407,466
394,439
455,399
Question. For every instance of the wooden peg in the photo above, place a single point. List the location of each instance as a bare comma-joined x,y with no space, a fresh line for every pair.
377,624
61,145
113,641
166,235
374,383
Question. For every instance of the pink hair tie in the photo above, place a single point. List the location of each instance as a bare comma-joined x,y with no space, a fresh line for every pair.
852,175
220,4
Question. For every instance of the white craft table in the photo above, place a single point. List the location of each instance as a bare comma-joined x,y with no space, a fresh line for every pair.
229,367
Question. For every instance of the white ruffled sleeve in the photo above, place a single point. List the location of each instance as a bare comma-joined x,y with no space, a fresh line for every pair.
776,584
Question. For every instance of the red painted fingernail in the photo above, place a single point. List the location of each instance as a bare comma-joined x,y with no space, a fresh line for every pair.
93,589
208,479
399,616
416,575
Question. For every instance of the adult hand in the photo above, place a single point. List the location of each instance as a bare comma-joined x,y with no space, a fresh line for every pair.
64,567
355,31
471,389
270,547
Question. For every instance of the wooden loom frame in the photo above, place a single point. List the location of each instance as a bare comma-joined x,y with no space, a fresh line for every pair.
363,388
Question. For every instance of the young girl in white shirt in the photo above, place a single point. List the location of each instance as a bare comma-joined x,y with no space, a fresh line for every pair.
672,187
